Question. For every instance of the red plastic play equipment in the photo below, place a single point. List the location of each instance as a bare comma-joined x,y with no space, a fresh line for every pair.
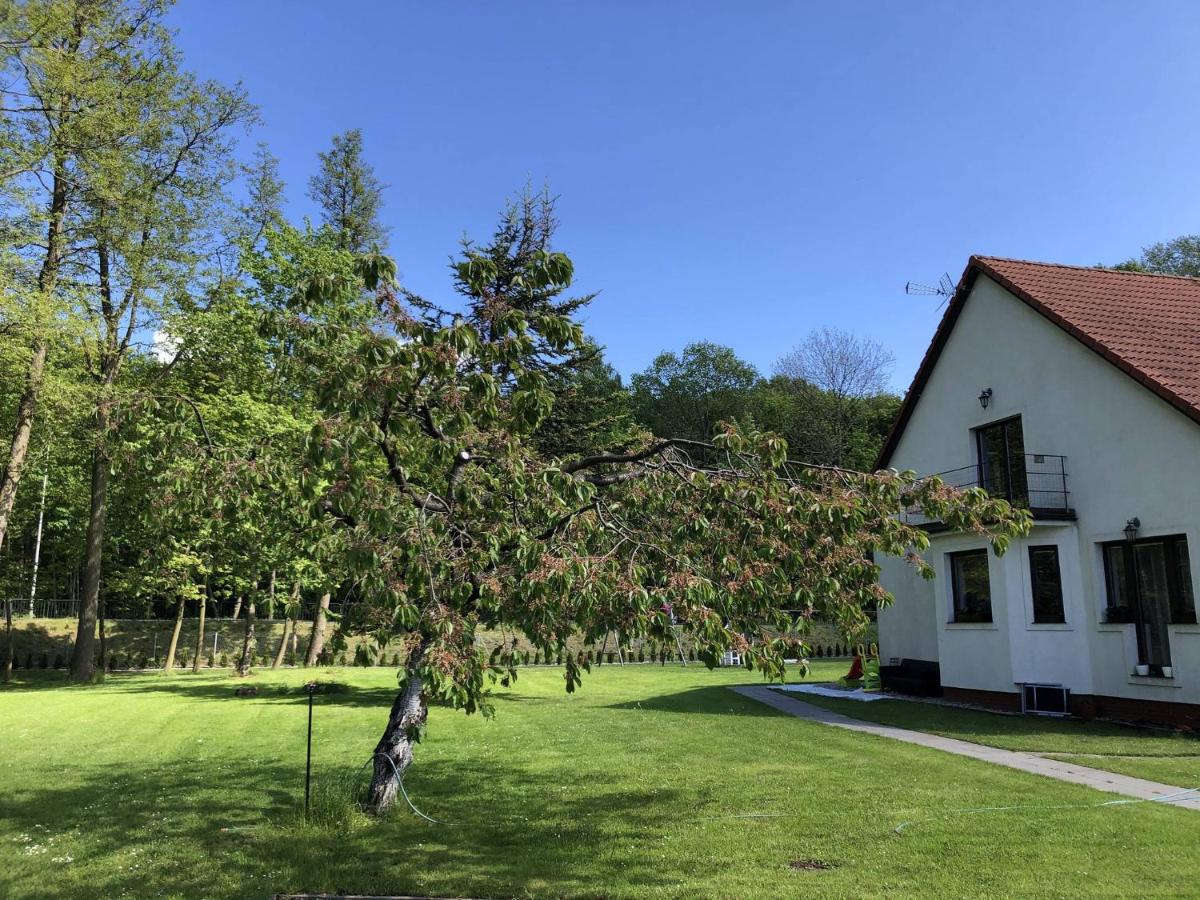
856,669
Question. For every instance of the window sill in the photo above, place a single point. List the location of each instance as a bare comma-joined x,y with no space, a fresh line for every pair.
1155,681
1185,628
1049,626
973,626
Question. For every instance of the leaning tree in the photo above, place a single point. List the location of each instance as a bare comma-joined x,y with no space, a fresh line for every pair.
455,522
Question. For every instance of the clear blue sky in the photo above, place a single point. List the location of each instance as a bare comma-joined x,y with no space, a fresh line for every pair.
741,172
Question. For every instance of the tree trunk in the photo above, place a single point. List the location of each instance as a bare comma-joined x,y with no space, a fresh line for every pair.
203,601
169,665
10,478
283,642
37,543
83,665
8,636
316,642
246,661
103,643
237,608
394,752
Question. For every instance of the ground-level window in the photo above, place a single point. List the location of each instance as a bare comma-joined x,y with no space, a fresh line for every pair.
1149,583
971,586
1046,579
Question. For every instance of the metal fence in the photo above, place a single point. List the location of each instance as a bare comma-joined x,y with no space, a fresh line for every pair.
219,609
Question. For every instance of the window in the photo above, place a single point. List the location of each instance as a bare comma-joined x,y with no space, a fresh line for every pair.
1149,583
1047,586
1045,699
971,586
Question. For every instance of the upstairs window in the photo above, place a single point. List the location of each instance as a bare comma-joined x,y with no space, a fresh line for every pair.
971,586
1046,578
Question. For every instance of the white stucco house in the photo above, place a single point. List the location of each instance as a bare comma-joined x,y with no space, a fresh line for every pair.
1074,392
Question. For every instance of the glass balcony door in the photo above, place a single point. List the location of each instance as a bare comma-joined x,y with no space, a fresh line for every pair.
1001,448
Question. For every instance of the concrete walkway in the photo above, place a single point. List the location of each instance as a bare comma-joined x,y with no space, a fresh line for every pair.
1025,762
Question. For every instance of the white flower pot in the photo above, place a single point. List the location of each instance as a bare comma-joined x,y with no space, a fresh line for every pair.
1168,671
1142,670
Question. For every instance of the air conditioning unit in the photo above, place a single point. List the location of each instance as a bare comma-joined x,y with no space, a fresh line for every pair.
1045,700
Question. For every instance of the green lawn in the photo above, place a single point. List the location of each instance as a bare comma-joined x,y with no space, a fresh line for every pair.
648,782
1160,755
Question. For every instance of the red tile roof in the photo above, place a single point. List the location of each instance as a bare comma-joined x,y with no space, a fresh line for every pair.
1146,325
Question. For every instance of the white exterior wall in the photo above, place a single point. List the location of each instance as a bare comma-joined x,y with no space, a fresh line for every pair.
1128,454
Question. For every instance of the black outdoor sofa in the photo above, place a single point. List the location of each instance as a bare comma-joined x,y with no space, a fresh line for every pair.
913,676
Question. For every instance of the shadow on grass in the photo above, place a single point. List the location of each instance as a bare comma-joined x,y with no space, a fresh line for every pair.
717,700
212,686
180,829
983,726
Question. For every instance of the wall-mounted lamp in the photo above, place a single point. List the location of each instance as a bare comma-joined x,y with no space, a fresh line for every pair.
985,397
1131,528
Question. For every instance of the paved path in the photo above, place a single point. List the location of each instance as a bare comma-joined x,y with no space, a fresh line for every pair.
1025,762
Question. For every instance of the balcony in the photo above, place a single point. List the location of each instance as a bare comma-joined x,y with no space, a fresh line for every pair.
1033,481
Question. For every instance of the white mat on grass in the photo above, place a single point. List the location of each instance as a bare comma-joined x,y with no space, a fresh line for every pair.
827,691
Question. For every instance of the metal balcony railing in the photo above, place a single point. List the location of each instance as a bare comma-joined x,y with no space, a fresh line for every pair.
1033,481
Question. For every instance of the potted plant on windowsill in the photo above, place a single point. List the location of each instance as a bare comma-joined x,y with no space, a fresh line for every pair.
1141,670
1118,615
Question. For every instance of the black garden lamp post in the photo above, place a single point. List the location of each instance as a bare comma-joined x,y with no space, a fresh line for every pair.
310,688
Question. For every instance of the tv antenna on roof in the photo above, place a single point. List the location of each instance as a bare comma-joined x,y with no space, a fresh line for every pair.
944,289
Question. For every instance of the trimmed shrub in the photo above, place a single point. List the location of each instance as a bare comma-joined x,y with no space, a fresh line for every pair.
224,660
44,662
611,657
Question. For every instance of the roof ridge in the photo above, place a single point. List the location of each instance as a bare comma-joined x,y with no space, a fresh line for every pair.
1097,268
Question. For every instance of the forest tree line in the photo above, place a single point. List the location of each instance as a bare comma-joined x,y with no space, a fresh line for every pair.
142,263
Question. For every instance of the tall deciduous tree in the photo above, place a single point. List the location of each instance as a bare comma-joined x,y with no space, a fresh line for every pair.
838,383
688,394
1178,256
349,194
146,220
56,97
